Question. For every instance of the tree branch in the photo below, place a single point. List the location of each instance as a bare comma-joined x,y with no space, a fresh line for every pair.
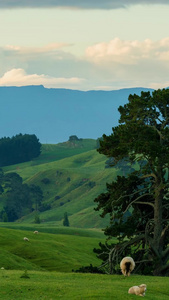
165,253
139,202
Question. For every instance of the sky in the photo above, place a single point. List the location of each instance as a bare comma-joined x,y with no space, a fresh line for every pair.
84,45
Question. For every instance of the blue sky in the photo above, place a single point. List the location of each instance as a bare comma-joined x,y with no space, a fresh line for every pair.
84,45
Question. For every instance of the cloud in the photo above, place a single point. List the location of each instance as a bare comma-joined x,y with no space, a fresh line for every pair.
42,60
128,52
131,63
18,77
50,48
54,50
106,65
81,4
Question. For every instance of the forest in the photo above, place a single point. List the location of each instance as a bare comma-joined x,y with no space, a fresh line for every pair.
18,149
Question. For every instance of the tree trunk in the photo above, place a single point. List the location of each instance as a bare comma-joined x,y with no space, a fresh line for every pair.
158,228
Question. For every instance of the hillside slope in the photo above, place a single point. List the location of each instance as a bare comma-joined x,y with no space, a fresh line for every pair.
47,251
72,185
69,185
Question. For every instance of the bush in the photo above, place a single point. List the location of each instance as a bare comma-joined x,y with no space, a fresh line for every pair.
89,269
25,275
45,180
44,207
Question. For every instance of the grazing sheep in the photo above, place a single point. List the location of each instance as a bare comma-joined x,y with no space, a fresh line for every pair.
36,232
138,290
127,265
26,239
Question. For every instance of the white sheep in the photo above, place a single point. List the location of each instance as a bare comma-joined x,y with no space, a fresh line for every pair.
138,290
36,232
127,265
26,239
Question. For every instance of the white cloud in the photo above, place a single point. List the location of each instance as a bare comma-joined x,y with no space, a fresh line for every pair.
128,52
118,63
18,77
128,63
50,48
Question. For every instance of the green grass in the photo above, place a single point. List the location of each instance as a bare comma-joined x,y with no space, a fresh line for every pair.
73,182
53,229
71,179
74,286
55,152
61,250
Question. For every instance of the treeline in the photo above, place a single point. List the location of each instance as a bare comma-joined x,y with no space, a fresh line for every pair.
18,149
18,199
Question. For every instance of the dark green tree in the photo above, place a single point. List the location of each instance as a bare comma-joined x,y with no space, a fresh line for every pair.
141,137
66,220
1,181
16,196
36,196
4,217
19,148
37,219
18,199
73,138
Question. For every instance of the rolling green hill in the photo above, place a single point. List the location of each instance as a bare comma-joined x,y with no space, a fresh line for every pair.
53,249
48,259
71,176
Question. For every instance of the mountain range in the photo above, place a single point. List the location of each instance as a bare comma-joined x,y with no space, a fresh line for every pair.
55,114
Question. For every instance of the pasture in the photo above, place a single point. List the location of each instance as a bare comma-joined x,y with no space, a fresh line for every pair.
75,286
53,250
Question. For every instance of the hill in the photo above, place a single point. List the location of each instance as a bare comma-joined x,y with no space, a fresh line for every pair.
52,250
55,114
69,184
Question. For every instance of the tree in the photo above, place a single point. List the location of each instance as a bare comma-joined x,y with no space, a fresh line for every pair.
16,196
36,196
37,219
18,199
141,137
66,220
73,138
19,148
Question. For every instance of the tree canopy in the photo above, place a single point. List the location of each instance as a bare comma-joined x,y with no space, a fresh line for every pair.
17,198
18,149
138,202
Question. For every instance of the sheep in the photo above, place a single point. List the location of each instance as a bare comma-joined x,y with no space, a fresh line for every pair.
26,239
127,265
36,232
138,290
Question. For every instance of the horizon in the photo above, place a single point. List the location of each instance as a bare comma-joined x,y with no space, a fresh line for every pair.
62,88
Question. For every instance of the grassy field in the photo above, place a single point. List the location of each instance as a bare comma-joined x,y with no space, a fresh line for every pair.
77,174
55,152
48,259
69,184
52,250
74,286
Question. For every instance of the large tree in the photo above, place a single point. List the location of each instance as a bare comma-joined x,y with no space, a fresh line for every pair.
138,203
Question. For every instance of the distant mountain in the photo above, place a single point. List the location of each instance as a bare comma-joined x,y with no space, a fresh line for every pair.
55,114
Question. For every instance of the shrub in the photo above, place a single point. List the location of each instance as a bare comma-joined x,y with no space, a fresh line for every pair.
89,269
45,180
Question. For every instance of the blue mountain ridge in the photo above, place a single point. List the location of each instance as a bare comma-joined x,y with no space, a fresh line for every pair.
55,114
